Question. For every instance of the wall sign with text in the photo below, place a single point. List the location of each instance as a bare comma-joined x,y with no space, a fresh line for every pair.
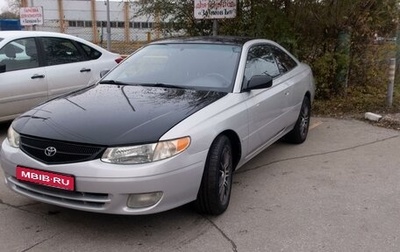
31,16
214,9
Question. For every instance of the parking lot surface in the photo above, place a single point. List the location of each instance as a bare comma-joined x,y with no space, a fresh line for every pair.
339,191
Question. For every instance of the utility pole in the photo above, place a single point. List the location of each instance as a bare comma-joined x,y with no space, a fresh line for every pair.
61,15
33,27
108,27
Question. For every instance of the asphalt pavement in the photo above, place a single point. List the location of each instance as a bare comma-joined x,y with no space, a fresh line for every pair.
339,191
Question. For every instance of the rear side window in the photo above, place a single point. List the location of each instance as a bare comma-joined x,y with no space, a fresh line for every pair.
284,61
18,55
91,53
61,51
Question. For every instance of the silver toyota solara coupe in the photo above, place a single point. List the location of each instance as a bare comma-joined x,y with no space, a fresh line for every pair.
166,127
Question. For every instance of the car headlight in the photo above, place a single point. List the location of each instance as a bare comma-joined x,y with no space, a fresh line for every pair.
13,137
145,153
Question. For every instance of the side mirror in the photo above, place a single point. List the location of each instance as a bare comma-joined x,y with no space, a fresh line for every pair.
104,72
259,82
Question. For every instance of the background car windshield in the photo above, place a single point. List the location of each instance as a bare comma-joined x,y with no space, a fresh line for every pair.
197,66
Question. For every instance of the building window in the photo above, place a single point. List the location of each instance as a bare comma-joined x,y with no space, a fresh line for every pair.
145,25
121,24
72,23
88,23
136,25
80,24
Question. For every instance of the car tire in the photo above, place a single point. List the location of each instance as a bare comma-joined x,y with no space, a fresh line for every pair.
216,184
300,131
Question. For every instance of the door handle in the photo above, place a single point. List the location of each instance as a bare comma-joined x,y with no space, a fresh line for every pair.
37,76
85,70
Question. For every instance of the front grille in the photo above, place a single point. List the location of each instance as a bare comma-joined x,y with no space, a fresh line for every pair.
65,152
63,197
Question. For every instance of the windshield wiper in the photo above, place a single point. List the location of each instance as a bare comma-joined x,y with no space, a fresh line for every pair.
114,82
164,85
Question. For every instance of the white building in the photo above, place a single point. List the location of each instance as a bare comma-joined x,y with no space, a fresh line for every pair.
88,19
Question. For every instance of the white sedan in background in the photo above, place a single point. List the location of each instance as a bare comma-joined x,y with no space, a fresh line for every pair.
37,66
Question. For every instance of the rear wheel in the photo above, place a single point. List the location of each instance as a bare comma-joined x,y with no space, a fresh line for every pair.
300,131
216,185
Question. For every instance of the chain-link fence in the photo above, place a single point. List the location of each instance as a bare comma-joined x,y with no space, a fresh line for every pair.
87,19
124,40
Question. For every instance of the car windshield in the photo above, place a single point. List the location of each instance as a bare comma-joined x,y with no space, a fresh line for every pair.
197,66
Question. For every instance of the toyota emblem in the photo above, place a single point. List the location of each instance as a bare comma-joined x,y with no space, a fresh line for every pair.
50,151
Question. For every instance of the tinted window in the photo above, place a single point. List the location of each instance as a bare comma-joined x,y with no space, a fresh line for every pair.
260,61
19,54
60,51
284,61
91,53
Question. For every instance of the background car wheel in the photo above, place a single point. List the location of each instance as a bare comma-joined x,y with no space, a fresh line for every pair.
215,189
300,131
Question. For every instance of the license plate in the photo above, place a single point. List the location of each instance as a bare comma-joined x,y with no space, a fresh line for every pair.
61,181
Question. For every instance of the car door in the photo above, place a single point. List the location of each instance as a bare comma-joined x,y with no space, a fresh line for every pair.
268,107
23,82
67,67
296,90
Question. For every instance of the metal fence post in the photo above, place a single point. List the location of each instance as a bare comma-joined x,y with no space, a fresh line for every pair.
392,71
343,60
108,27
148,37
215,27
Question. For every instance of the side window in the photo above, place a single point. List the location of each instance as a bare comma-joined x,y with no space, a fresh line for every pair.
284,61
60,51
19,54
260,61
90,52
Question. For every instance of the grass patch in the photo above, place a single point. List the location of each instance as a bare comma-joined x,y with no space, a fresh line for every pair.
357,101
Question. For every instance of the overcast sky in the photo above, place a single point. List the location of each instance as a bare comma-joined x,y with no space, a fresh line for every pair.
3,5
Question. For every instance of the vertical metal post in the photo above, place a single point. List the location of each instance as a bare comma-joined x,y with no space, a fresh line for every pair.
108,27
61,15
392,71
148,37
397,47
95,31
343,59
33,27
215,27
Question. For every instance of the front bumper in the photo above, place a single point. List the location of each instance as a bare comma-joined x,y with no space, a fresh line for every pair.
105,188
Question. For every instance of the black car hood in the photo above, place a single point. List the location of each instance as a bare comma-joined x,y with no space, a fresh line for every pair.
112,115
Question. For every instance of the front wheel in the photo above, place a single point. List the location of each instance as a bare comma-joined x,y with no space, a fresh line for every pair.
300,131
216,184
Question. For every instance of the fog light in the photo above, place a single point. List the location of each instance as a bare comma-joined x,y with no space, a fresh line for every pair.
143,200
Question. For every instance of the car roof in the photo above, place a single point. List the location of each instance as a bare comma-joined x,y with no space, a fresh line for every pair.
232,40
12,35
21,34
